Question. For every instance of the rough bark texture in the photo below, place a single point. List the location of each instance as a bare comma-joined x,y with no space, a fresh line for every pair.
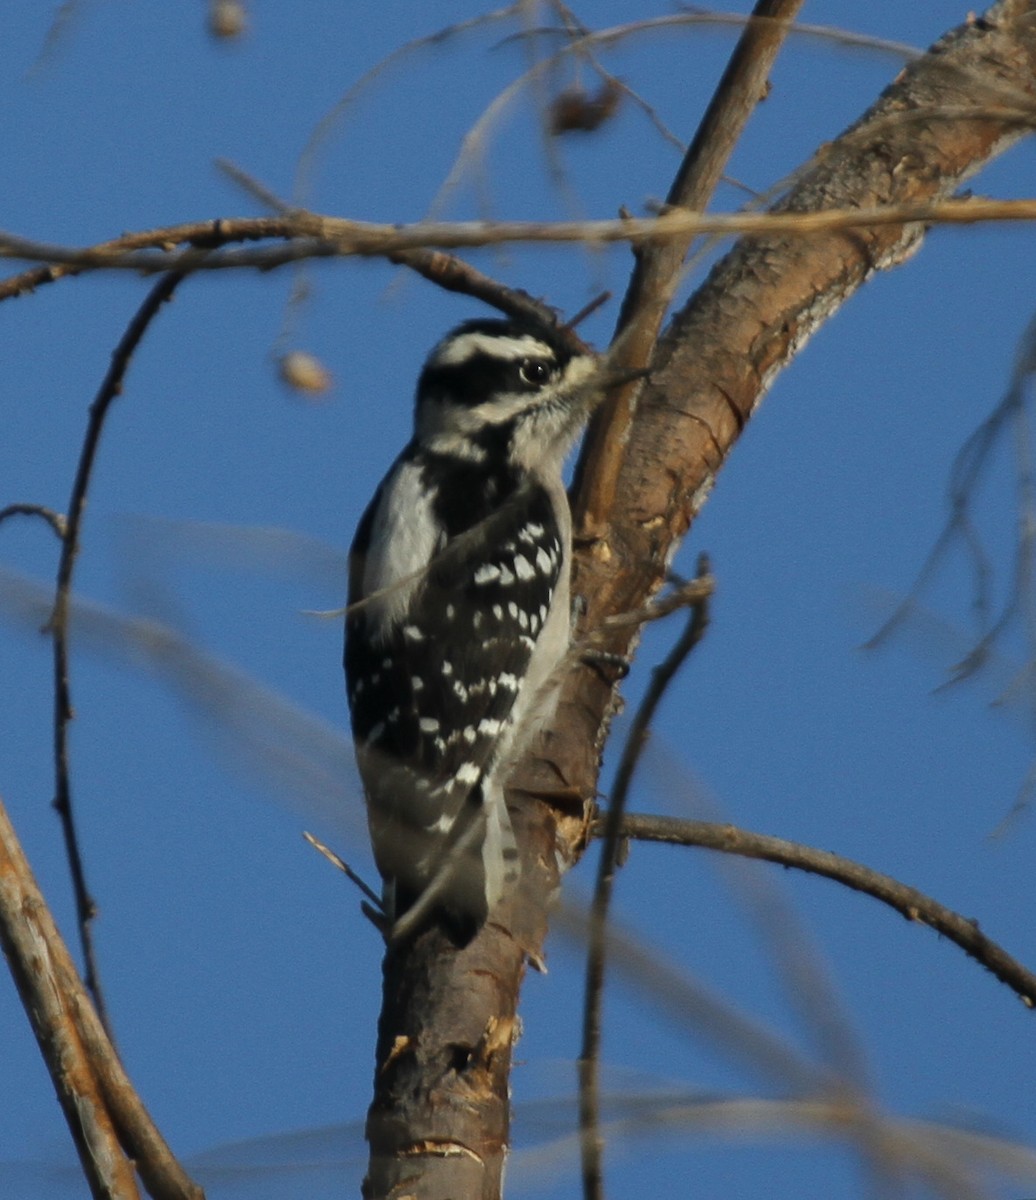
438,1127
757,308
438,1123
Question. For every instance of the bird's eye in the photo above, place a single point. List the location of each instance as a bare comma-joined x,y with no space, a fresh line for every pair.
534,371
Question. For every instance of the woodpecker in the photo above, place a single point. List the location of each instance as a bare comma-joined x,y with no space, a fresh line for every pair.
459,614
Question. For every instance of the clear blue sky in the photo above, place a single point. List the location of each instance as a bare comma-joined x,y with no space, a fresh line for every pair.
243,983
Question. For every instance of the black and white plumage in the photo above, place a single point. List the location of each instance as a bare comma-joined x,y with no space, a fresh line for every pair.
462,562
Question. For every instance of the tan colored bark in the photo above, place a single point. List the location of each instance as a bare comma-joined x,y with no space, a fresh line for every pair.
438,1124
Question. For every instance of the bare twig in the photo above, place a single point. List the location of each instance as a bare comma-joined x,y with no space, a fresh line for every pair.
589,1059
339,862
208,232
312,235
658,267
447,271
588,309
54,519
325,126
972,461
684,595
908,901
666,988
946,1157
452,274
582,44
58,623
56,33
253,187
305,760
688,17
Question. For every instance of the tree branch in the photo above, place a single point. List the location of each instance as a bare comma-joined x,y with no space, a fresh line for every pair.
611,832
110,388
108,1123
54,519
758,306
659,266
312,235
908,901
438,1124
28,937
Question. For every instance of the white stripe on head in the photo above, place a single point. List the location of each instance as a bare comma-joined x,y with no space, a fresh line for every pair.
454,351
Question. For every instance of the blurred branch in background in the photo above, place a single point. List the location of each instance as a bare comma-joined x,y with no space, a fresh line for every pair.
1006,431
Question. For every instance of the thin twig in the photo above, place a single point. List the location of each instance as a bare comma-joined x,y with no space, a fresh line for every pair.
666,989
343,866
453,274
912,904
446,271
589,1061
588,309
941,1155
684,595
972,459
58,623
658,267
831,34
253,187
302,235
580,43
323,129
54,519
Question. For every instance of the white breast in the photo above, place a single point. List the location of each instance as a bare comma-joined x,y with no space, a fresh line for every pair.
404,537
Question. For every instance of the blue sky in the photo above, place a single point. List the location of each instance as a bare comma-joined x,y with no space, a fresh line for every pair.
242,981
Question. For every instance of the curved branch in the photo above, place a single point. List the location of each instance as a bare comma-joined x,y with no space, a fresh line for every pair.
58,622
101,1107
908,901
54,519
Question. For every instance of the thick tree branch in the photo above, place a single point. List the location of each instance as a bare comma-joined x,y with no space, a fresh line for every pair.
438,1126
108,1123
754,312
32,946
438,1122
